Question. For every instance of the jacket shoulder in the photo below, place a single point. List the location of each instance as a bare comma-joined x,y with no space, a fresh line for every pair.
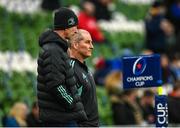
52,47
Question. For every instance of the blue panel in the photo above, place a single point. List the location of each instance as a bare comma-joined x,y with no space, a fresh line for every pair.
141,71
161,111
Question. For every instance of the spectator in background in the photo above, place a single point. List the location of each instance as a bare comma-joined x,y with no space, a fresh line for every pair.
113,83
33,117
102,11
50,5
175,66
101,70
173,13
17,116
126,110
176,48
157,29
147,106
174,104
88,22
147,52
167,75
104,67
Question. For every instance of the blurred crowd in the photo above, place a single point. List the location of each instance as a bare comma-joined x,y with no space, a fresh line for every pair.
21,116
134,106
162,28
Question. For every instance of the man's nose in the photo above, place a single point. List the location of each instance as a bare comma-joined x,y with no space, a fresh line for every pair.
75,30
91,46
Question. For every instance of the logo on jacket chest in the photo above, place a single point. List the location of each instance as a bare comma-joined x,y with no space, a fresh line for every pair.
84,77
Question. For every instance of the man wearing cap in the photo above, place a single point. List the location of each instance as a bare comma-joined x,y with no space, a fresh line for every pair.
59,104
81,48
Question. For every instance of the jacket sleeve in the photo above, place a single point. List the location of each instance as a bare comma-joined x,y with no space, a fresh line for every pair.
54,66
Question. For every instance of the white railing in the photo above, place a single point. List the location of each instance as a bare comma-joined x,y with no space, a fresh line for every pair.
121,24
143,2
17,61
21,6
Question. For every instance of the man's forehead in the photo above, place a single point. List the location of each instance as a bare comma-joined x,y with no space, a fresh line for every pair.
82,35
86,37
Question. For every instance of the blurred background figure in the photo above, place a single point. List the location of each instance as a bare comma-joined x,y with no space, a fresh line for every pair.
17,116
147,106
102,11
33,117
173,16
101,70
173,13
174,105
50,5
175,66
166,73
113,83
108,72
87,21
157,29
126,110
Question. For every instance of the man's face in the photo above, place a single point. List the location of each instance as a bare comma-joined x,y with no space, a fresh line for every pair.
70,32
85,46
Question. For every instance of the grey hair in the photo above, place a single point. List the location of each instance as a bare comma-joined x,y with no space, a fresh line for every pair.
76,38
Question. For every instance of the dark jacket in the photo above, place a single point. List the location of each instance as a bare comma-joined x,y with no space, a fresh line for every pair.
87,90
173,109
32,121
123,114
155,36
57,92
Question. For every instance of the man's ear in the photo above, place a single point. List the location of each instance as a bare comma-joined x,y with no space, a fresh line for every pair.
75,45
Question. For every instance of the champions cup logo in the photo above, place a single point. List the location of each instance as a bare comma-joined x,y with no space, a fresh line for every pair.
141,71
139,66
